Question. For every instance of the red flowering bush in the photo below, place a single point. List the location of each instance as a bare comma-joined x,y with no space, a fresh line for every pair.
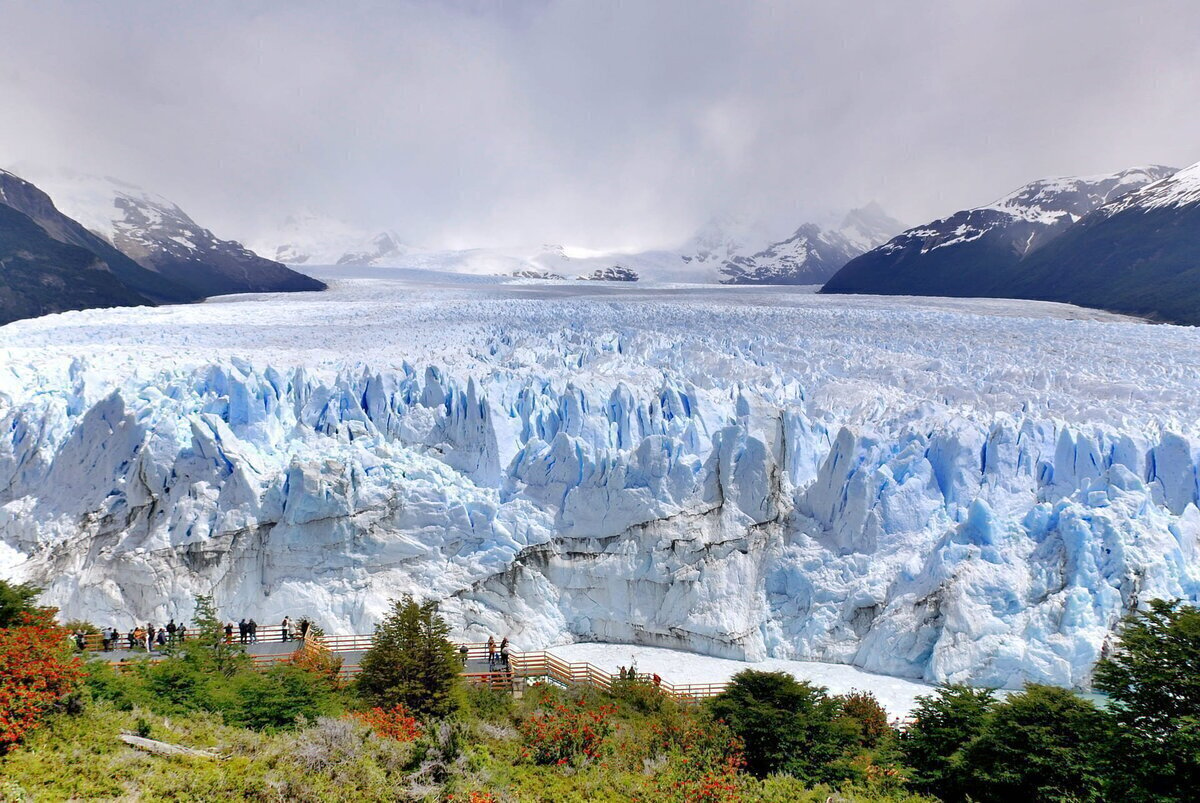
704,763
567,733
37,669
391,723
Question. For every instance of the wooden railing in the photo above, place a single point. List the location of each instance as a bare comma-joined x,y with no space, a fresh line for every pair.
523,668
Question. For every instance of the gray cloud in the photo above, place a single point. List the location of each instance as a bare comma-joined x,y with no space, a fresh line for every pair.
595,123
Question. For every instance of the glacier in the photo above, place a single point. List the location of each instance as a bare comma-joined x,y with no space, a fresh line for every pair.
938,489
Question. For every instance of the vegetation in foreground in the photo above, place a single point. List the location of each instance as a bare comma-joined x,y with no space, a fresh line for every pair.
407,730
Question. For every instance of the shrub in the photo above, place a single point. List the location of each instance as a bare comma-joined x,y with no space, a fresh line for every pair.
392,723
1043,744
786,725
704,763
37,670
641,695
274,699
943,724
566,733
411,661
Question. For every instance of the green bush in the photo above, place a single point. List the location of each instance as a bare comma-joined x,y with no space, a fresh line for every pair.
943,724
1043,744
787,726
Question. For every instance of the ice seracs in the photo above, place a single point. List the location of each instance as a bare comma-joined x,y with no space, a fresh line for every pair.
742,472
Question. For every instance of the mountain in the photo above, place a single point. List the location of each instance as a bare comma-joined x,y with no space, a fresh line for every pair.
384,248
615,273
40,274
24,197
812,254
1139,254
161,237
976,252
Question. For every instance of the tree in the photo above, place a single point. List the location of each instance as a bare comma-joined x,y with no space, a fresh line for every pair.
786,725
1153,680
206,647
411,661
1042,744
944,723
864,709
16,601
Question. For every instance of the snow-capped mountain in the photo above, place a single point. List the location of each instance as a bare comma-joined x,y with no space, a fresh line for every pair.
713,471
616,273
976,251
40,274
385,248
161,237
812,254
721,239
1139,254
145,284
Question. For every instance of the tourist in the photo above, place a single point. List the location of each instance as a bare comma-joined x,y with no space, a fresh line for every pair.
133,637
504,655
491,652
462,654
304,625
149,637
80,641
161,637
252,627
243,631
622,672
181,632
104,639
229,632
657,680
285,629
171,628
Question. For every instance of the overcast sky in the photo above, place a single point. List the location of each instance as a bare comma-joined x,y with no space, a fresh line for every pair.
598,124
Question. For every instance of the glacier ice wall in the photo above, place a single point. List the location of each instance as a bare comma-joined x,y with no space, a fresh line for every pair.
701,498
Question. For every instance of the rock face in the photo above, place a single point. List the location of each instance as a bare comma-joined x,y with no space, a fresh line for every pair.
978,252
162,238
812,255
616,273
1139,254
40,275
810,481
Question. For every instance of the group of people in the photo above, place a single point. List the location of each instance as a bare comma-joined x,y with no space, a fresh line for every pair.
497,659
150,637
147,638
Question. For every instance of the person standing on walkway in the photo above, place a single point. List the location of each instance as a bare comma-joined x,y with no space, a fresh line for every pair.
243,631
149,636
285,629
171,628
181,632
229,632
132,637
252,626
491,652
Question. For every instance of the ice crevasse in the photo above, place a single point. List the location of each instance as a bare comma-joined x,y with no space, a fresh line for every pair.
727,518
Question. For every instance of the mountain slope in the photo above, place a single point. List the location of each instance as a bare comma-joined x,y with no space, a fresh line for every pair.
34,203
40,274
976,252
161,237
1139,254
813,254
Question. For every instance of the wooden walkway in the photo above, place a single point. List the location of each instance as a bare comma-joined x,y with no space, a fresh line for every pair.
524,668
